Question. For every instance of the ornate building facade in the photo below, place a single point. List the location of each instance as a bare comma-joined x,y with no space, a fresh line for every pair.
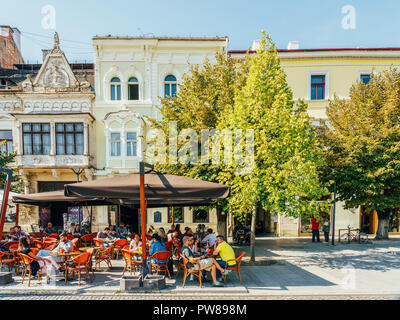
131,74
48,116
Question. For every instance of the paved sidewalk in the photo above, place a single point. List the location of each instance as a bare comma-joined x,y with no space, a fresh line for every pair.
285,268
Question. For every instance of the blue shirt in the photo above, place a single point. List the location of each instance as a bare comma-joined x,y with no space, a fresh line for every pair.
157,246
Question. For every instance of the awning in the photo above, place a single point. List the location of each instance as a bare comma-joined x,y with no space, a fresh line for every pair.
158,187
55,198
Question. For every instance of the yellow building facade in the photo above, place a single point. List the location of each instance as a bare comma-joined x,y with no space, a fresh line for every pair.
316,76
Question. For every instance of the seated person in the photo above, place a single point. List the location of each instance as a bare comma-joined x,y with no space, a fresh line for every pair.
19,233
106,235
210,237
135,243
71,229
172,230
207,264
63,244
122,230
193,244
50,229
77,232
161,233
156,246
188,232
225,251
49,262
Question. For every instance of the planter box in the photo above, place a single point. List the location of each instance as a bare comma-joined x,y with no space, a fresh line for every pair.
154,282
5,277
130,282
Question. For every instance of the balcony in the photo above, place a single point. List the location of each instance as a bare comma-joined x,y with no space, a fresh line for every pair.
53,160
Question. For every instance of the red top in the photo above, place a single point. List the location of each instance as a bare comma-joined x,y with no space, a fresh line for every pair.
314,224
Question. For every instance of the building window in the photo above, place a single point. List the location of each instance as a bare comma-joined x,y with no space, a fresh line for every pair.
157,217
115,144
133,89
170,86
6,138
115,88
317,87
3,84
131,144
177,213
200,215
365,78
69,138
36,138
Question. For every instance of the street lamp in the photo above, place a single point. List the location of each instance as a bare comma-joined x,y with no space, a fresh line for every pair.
334,213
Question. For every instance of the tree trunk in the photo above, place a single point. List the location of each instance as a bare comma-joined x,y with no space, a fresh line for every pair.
221,222
383,224
253,235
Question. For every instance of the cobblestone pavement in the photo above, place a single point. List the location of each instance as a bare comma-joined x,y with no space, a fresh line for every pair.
285,269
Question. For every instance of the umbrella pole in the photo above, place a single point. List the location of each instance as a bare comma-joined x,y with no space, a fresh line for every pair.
143,218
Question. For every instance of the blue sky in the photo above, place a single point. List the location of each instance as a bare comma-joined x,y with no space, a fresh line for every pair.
315,23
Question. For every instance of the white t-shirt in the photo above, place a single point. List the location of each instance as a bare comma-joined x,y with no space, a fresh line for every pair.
134,246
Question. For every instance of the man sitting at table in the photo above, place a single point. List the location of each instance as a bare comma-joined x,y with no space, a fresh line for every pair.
50,229
64,244
210,237
122,230
208,264
225,251
105,235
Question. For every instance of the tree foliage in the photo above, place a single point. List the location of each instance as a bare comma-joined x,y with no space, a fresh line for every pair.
362,146
285,179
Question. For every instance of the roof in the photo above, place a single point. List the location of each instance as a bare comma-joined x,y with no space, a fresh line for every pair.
162,38
320,50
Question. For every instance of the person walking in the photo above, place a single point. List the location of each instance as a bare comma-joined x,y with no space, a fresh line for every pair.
315,230
326,228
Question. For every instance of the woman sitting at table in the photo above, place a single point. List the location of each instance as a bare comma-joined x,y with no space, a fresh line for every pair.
161,233
49,262
135,243
156,246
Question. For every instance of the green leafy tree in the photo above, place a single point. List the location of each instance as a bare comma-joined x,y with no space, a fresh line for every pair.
7,161
362,146
285,179
200,102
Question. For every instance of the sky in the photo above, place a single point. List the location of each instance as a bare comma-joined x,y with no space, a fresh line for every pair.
315,23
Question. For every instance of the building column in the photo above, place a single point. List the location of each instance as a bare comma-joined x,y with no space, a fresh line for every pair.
20,138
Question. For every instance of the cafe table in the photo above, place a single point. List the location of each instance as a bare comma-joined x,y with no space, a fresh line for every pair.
68,257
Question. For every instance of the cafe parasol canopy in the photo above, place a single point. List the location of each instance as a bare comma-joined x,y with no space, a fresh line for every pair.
162,188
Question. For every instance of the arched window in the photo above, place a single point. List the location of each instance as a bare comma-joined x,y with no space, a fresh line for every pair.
169,86
157,217
133,89
115,89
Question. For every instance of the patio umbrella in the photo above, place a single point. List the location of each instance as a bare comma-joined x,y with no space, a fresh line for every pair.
57,198
158,186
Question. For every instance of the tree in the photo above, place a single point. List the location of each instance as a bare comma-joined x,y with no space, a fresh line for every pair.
199,104
7,161
285,177
362,146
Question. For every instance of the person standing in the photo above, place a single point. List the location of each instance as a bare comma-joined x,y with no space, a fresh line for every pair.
315,229
326,228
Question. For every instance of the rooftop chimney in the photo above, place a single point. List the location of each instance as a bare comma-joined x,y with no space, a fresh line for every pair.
293,45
